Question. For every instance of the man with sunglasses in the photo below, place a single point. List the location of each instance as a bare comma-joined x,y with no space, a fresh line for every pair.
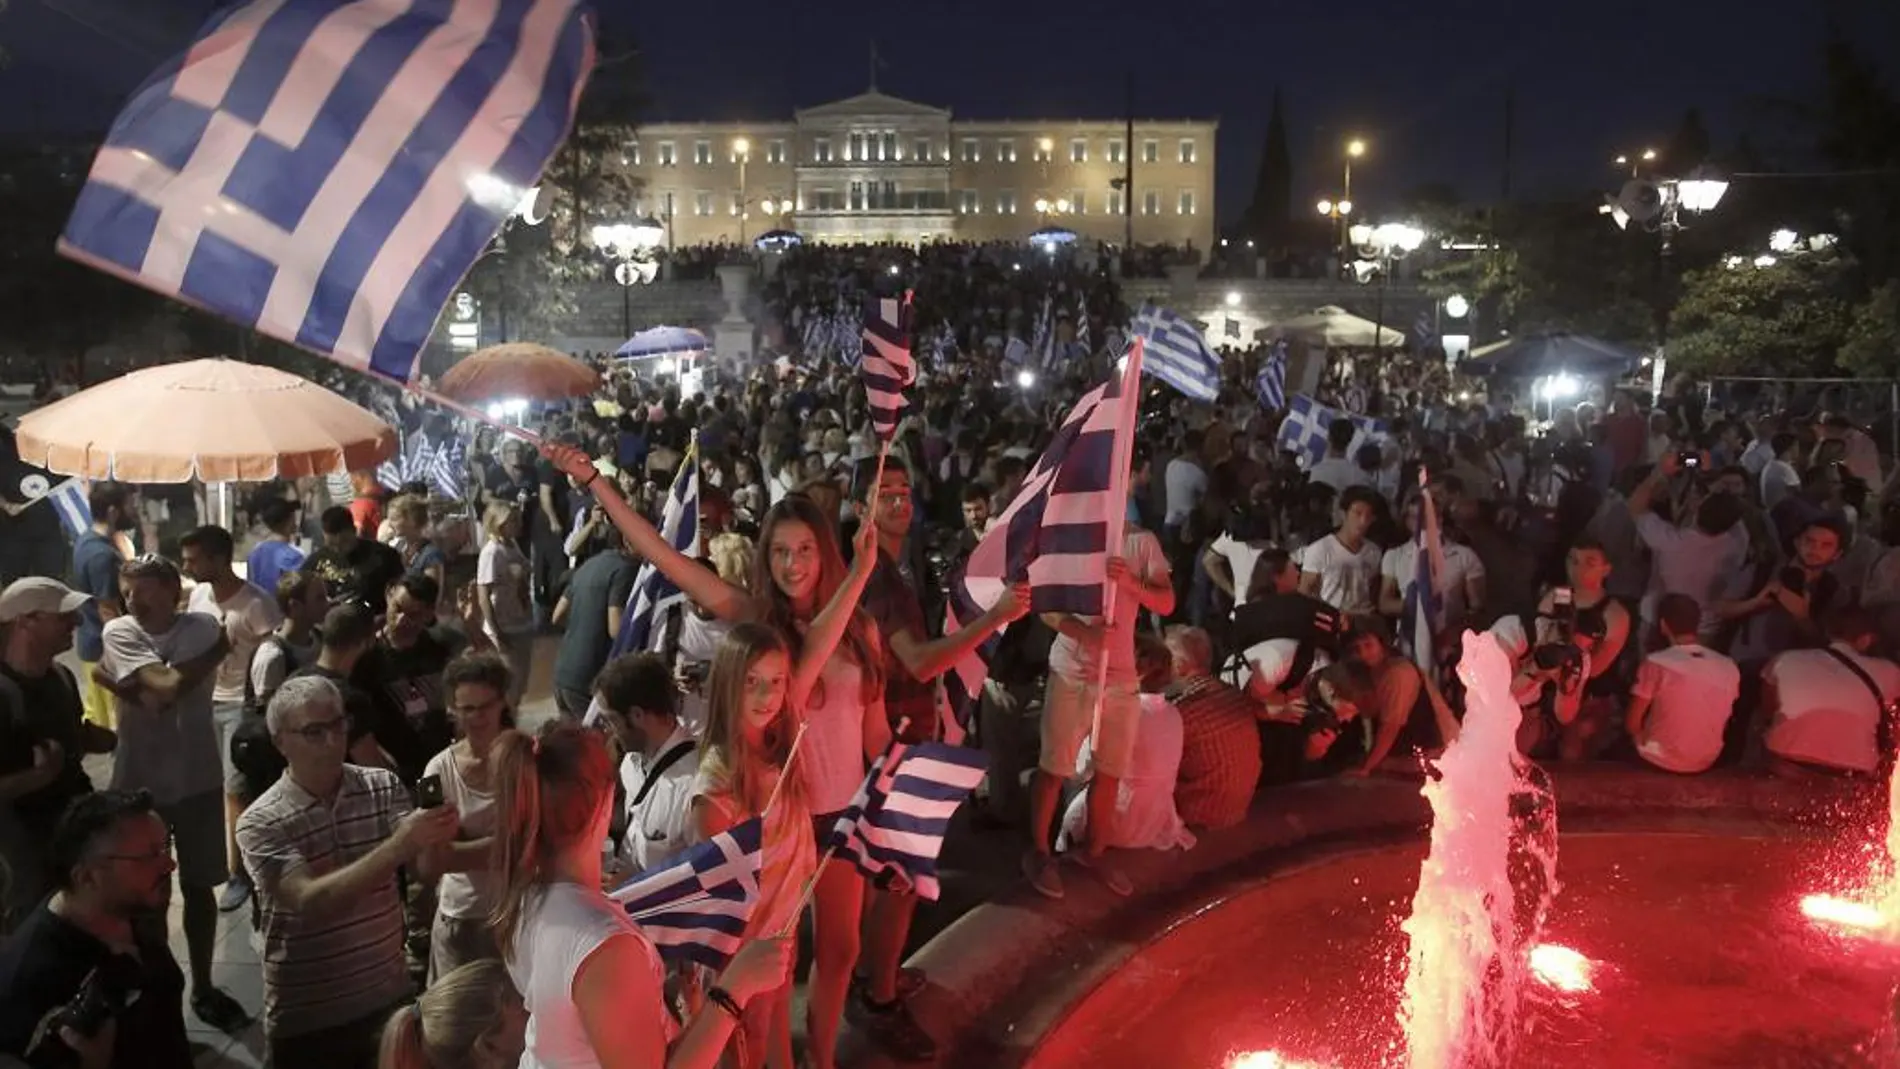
161,665
42,733
98,944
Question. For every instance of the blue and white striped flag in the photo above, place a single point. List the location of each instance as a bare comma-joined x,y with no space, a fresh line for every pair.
1307,422
887,366
895,824
1424,614
1270,387
1057,531
1044,345
325,172
418,463
70,499
653,593
695,906
448,475
1082,328
847,333
1016,352
1177,354
1422,330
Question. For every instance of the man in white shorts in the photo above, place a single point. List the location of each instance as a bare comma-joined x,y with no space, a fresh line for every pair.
1143,584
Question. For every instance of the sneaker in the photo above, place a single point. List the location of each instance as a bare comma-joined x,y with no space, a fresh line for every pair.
219,1010
236,893
909,982
1110,876
1041,870
895,1030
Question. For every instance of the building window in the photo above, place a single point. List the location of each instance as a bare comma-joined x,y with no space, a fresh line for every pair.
1079,150
889,199
821,150
1151,151
1151,203
1115,202
968,202
972,150
1077,202
1006,202
775,152
702,153
1115,150
922,153
633,153
887,148
1041,154
702,202
1187,150
857,196
1186,204
666,154
1006,151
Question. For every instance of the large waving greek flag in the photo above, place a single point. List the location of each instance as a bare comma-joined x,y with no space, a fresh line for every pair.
653,593
326,171
1177,353
695,907
888,367
894,826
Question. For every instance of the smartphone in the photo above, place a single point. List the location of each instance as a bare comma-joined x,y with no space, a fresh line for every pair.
429,792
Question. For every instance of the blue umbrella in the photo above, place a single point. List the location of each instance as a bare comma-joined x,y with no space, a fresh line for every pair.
662,341
778,240
1053,235
1552,352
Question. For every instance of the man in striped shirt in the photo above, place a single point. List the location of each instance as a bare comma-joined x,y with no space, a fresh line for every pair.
324,843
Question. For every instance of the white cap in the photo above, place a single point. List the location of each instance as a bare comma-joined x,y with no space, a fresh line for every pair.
38,594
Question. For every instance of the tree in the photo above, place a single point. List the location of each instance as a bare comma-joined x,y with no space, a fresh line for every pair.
1872,347
1789,318
1689,149
1269,218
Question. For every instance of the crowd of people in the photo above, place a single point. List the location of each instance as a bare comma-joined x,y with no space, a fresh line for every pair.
314,715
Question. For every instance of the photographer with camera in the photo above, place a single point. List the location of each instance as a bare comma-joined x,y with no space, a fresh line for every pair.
1551,682
87,981
1697,559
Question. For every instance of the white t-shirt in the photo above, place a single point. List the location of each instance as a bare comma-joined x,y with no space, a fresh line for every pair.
1338,473
273,663
560,929
171,751
1348,581
1778,480
504,571
1400,564
249,616
661,824
1691,692
1186,483
1142,550
1824,714
465,895
1241,558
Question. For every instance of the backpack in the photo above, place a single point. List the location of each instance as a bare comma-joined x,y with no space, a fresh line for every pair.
253,754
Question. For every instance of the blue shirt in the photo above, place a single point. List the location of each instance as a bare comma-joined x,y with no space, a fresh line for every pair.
96,572
268,562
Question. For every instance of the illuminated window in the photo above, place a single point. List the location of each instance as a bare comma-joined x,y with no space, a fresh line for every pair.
702,202
821,150
1187,150
1115,150
1151,203
972,150
702,153
1079,150
1186,204
1006,151
667,158
775,152
968,203
1006,202
1151,151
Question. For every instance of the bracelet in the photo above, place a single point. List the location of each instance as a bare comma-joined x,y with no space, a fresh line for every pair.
590,479
723,999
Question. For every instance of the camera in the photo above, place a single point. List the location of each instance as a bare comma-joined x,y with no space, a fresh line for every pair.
1689,459
96,1002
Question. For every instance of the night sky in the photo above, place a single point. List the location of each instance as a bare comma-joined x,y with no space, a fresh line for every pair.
1424,83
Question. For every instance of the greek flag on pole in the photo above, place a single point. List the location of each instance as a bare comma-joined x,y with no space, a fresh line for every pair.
1307,422
449,471
894,826
695,906
1422,330
1270,387
1424,614
1177,354
1057,530
653,593
1082,328
887,367
70,500
326,171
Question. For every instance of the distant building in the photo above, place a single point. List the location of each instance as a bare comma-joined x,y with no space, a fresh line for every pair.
876,168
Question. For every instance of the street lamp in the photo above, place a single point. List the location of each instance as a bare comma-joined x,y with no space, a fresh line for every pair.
1659,205
631,246
1379,248
742,149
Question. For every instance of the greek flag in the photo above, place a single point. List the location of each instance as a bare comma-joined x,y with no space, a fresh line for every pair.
1044,345
70,499
1177,353
1307,421
1082,328
893,829
1060,530
887,366
1422,330
448,475
325,172
695,907
1424,613
653,593
846,331
1270,387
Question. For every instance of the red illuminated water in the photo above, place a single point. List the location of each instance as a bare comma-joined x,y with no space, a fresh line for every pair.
1699,957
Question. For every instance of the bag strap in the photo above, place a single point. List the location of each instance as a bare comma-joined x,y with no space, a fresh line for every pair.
1880,698
667,760
1884,727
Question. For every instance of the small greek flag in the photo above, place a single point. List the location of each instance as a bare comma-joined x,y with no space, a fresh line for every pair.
1270,387
1177,354
70,500
1305,428
653,593
887,366
695,907
894,827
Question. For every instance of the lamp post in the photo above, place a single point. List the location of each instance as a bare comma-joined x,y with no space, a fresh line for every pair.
1660,205
1379,248
742,149
631,246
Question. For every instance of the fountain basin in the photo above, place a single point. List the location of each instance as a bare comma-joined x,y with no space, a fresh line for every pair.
1282,935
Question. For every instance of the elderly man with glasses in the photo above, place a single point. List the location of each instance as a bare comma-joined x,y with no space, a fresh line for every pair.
324,843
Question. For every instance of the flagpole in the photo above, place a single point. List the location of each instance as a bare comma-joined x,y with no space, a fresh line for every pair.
811,884
797,741
1118,516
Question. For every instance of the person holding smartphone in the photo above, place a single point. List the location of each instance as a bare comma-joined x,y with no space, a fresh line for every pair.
476,686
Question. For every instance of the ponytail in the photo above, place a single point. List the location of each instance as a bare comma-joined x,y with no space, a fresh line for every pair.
549,791
443,1028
